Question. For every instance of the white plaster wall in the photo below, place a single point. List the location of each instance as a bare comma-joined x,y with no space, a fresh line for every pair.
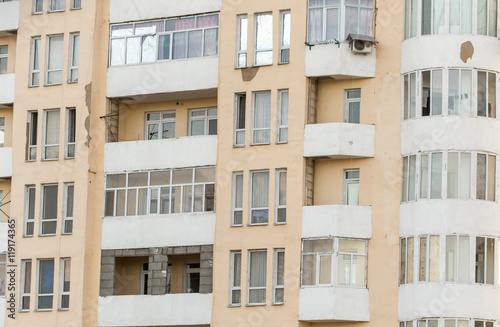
334,304
450,216
448,301
155,310
158,231
174,76
337,140
444,51
5,162
3,236
450,133
9,17
339,62
160,154
134,10
337,220
7,81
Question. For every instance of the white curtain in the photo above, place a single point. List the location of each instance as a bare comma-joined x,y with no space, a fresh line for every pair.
332,23
117,52
179,45
438,17
211,43
466,93
315,25
351,21
492,18
260,189
453,91
52,127
133,50
164,47
365,21
482,17
455,16
264,32
207,21
262,117
194,43
436,174
466,17
258,263
464,176
424,177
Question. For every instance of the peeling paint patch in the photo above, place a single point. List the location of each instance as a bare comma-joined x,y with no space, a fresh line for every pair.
247,74
466,51
88,100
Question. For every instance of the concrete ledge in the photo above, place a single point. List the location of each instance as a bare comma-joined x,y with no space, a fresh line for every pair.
160,154
339,140
339,62
136,10
9,17
7,83
155,310
158,231
323,304
6,162
337,220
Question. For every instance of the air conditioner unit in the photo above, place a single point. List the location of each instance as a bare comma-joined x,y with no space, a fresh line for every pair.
361,44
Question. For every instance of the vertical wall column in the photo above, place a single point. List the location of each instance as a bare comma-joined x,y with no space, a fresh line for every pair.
158,264
107,273
206,268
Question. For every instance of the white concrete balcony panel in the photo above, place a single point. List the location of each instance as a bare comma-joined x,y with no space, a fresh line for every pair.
136,10
447,51
9,17
337,220
180,152
3,236
330,60
7,83
322,304
164,80
158,231
155,310
450,216
450,133
5,162
448,301
339,140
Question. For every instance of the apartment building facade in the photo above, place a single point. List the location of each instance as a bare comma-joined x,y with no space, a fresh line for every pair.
231,163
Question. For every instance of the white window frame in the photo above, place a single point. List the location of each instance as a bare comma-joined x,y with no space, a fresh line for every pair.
283,48
347,182
144,280
34,7
255,33
233,279
427,260
70,139
276,271
52,3
47,59
429,175
488,178
234,192
75,4
187,273
4,57
238,97
282,125
32,142
62,274
241,45
27,219
2,132
159,122
74,56
254,129
486,323
485,261
206,118
249,273
42,204
277,204
45,131
36,45
409,187
456,259
38,285
351,261
66,217
409,261
251,208
348,101
24,273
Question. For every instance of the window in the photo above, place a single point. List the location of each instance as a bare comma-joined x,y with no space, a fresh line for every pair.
76,4
203,121
70,133
481,323
460,92
457,258
64,283
263,54
427,323
170,191
261,118
37,6
2,131
280,205
35,61
282,129
431,174
192,280
432,86
241,42
49,209
2,204
410,96
3,272
237,212
32,131
143,288
351,187
335,20
456,323
257,266
485,260
411,11
487,17
25,285
285,26
239,119
406,260
486,177
406,324
352,106
57,5
54,62
409,178
4,51
160,121
235,278
175,38
459,174
29,211
45,288
351,263
51,134
279,276
486,94
429,259
74,50
259,198
317,262
69,196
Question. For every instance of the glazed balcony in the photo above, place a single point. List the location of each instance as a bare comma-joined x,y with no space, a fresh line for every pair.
5,162
7,82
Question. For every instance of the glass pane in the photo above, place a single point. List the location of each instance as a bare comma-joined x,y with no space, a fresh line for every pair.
426,16
344,270
164,47
134,50
205,175
492,95
165,200
492,17
179,45
463,259
209,197
410,260
315,28
455,19
402,256
197,127
264,31
404,193
153,202
160,177
318,246
426,95
120,203
436,174
198,198
49,202
110,203
434,259
491,177
437,86
187,198
131,202
451,258
481,93
182,176
46,277
325,269
211,42
438,16
243,34
258,261
176,200
332,24
452,175
263,58
353,194
490,261
453,91
137,179
148,48
423,260
481,177
194,44
309,270
142,201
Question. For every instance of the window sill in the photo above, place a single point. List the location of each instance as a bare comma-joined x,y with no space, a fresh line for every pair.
161,61
55,11
262,224
279,224
44,310
23,311
55,159
278,304
36,13
62,309
283,63
34,85
255,304
46,235
257,144
69,158
238,146
65,234
27,236
52,84
236,225
73,9
234,305
284,142
72,82
264,65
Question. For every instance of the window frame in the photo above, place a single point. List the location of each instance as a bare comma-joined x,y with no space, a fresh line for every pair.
255,37
239,117
6,58
233,278
48,56
35,49
276,272
268,115
281,126
240,41
348,101
277,205
24,278
249,275
70,137
457,258
63,262
159,122
485,261
2,132
348,181
53,3
144,279
206,118
187,273
34,6
409,260
250,207
409,188
427,260
65,217
74,56
39,285
32,142
283,48
42,206
30,190
45,134
234,193
73,5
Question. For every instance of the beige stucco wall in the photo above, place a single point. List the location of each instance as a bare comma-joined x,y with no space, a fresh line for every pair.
128,275
178,263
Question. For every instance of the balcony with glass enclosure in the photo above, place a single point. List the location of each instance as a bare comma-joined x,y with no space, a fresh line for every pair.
9,18
164,59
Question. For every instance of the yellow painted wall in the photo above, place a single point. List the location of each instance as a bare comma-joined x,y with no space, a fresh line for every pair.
10,41
128,275
178,264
